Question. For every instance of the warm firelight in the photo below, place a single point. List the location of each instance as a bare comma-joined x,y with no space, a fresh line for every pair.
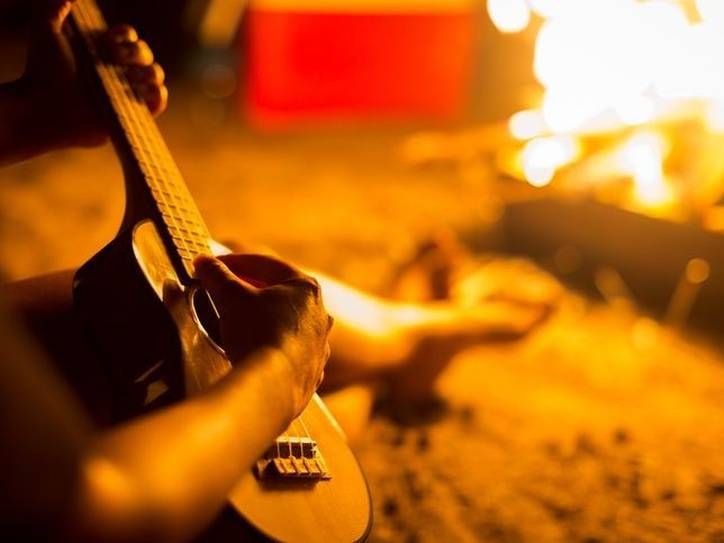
615,65
642,158
509,15
544,155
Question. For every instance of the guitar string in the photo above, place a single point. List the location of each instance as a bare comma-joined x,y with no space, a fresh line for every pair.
191,235
125,113
145,121
304,427
145,134
93,19
111,78
131,116
139,131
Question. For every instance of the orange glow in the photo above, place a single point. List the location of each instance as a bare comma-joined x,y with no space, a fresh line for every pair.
548,8
528,124
715,117
711,11
542,157
697,271
642,157
605,64
509,15
611,66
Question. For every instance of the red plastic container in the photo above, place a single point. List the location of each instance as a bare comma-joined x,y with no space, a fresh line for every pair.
311,60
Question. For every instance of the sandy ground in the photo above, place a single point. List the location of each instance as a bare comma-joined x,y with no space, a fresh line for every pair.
601,427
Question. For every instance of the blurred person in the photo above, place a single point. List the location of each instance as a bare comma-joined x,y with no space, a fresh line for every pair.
67,472
64,478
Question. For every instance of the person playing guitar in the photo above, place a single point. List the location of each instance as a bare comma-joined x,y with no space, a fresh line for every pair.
163,476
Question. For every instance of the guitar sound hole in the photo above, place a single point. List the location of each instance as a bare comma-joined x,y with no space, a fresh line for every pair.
206,316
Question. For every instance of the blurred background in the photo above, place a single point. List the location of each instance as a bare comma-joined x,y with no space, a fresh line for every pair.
581,139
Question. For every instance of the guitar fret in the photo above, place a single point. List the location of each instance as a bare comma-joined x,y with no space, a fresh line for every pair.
178,212
177,230
182,223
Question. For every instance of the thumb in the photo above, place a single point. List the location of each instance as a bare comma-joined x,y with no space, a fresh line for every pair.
53,13
219,281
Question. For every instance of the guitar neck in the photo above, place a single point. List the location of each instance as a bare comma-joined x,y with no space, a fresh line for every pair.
151,173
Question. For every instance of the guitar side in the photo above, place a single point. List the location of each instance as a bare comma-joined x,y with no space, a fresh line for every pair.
141,319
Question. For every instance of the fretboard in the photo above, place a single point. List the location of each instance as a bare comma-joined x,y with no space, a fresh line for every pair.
176,213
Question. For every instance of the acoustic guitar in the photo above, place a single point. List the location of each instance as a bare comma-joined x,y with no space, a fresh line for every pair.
158,332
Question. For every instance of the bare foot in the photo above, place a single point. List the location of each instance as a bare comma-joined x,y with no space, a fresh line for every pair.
430,271
516,281
449,329
500,300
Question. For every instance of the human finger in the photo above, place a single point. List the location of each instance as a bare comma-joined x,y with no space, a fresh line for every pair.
136,53
262,268
304,283
121,33
219,281
155,96
52,12
147,75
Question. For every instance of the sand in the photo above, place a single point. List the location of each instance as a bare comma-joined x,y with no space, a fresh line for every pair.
602,426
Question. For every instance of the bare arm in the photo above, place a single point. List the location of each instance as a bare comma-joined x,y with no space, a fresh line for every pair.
161,478
164,476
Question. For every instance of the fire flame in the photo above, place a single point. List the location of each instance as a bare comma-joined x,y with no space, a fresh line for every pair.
608,65
509,15
543,156
642,157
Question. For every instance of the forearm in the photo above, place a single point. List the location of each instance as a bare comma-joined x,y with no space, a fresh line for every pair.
23,133
164,477
371,335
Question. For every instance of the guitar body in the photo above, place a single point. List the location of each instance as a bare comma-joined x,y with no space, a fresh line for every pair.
156,332
149,333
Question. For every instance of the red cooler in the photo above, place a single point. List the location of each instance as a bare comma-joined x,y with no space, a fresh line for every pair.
317,60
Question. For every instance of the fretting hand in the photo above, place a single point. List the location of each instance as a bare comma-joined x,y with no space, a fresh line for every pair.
55,90
284,311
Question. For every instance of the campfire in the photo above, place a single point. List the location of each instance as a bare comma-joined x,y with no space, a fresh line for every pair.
630,104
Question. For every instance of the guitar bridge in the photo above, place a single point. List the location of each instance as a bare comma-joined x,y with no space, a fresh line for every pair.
293,457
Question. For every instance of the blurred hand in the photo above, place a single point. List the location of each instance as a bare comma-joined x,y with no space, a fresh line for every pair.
264,302
52,82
